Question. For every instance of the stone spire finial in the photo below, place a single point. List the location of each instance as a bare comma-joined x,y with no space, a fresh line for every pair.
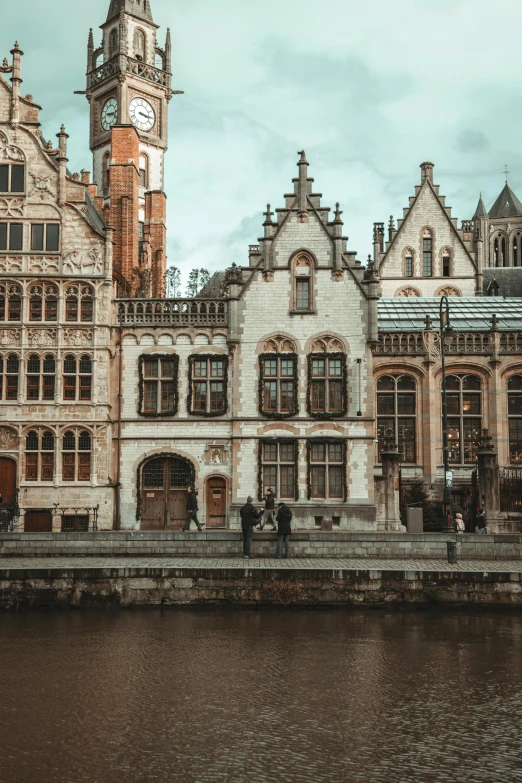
16,81
268,215
139,8
338,213
168,52
391,228
303,184
303,161
427,171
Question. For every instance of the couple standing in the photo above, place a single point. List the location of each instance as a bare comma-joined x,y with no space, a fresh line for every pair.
250,517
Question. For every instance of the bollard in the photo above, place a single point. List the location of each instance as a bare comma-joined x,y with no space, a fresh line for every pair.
452,552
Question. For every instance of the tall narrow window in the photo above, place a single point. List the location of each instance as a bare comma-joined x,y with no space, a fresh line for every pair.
113,41
12,178
208,385
278,467
515,419
446,265
427,250
464,396
278,389
408,264
41,377
139,41
159,381
504,258
496,253
516,247
106,173
144,171
79,303
39,456
327,385
77,378
10,302
303,284
11,368
327,465
76,456
396,410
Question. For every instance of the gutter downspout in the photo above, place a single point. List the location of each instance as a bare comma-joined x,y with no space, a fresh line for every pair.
117,520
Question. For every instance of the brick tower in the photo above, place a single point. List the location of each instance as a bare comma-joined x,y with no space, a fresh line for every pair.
129,88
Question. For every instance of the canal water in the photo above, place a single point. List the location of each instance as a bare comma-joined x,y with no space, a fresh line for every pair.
260,696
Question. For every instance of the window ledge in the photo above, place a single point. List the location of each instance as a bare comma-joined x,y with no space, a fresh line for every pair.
302,312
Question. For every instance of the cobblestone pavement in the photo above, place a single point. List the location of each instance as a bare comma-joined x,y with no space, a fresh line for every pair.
300,564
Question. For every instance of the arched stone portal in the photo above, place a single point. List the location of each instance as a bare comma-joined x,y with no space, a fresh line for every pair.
163,483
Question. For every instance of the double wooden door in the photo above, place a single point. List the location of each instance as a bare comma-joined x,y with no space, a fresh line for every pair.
164,486
216,502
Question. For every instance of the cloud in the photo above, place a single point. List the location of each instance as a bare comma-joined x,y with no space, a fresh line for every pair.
472,141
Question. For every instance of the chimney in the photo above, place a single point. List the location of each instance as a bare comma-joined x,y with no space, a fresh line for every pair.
427,172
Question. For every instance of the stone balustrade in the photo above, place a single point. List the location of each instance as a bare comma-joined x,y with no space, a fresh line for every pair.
173,312
412,344
132,66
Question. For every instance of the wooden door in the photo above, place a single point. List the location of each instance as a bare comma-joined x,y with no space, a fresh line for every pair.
216,502
165,484
7,480
38,521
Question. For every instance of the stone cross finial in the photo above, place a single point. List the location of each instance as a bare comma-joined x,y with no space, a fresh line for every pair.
338,213
268,215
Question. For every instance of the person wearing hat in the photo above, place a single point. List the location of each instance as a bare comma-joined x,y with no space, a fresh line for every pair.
249,519
284,529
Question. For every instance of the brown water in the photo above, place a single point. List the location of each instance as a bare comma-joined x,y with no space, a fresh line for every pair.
293,696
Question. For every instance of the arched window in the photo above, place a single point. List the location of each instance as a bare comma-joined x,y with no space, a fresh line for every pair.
113,41
278,386
409,268
515,419
144,170
76,455
427,253
77,378
79,302
517,250
41,385
106,171
464,395
303,289
43,303
139,41
446,263
396,410
9,372
39,455
10,302
499,251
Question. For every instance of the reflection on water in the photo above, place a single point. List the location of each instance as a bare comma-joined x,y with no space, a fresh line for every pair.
293,696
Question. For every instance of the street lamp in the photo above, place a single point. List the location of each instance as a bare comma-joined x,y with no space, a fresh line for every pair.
445,331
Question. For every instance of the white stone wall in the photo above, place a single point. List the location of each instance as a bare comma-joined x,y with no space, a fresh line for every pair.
427,212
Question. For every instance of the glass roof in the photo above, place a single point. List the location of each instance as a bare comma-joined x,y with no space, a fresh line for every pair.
408,314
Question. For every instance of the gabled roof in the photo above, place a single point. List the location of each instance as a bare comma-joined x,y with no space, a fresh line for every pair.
481,210
139,8
507,205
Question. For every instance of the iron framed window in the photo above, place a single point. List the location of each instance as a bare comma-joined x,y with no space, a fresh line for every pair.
76,455
278,467
12,178
396,410
327,385
427,254
10,302
45,237
9,375
158,385
278,385
515,419
326,462
43,303
464,398
11,236
79,304
41,378
39,455
77,378
208,385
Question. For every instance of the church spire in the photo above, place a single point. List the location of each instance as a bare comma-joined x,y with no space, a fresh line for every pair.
138,8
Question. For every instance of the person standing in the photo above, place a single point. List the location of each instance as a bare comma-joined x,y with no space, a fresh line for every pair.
192,509
481,521
249,519
284,529
459,524
268,513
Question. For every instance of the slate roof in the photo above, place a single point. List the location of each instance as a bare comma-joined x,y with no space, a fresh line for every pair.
139,8
408,314
214,286
481,210
507,205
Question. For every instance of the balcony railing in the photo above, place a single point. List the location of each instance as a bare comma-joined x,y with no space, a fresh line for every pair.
412,343
173,312
135,67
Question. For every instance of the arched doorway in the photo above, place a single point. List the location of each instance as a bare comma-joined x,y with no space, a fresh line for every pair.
216,502
164,487
7,481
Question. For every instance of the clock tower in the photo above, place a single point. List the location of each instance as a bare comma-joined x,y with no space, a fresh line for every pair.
129,88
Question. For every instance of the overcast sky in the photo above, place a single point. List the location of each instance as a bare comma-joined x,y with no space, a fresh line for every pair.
369,89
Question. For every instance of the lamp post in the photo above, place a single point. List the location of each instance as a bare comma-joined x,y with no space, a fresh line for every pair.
445,330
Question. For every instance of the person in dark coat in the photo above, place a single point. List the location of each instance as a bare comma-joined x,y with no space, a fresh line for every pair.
268,513
249,519
481,521
284,529
192,510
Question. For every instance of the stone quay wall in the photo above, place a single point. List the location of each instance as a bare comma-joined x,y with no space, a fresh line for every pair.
162,587
228,544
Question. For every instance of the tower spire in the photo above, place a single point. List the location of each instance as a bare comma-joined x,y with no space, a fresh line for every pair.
139,8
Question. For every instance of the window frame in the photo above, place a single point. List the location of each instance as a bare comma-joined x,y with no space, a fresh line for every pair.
143,379
193,379
514,418
10,167
45,237
427,252
39,466
343,378
393,418
76,453
78,376
278,379
278,464
343,464
9,225
462,417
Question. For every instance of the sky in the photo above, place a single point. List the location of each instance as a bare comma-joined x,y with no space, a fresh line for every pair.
369,89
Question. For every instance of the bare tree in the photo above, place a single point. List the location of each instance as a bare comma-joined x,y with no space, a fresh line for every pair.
196,280
173,282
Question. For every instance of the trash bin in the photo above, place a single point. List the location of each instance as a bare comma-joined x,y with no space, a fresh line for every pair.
415,519
452,552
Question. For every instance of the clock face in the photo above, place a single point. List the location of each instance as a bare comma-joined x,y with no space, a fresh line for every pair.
109,114
142,114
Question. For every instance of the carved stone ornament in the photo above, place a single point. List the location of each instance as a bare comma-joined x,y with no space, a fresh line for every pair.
41,264
9,337
41,185
77,337
8,439
11,207
72,263
41,338
408,292
337,275
216,455
10,265
268,276
9,151
448,290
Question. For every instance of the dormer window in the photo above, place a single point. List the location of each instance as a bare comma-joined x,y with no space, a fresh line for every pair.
303,292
